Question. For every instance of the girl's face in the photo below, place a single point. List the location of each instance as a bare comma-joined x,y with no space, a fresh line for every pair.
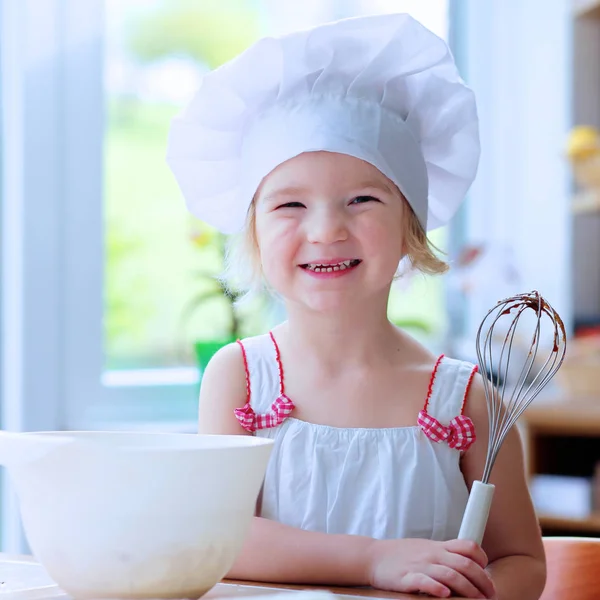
329,230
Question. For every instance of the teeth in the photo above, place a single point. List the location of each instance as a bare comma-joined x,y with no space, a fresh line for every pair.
317,268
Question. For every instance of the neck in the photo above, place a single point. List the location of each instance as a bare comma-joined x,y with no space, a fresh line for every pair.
363,332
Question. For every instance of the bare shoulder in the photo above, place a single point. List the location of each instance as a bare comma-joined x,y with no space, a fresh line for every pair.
476,404
511,451
476,409
223,389
412,354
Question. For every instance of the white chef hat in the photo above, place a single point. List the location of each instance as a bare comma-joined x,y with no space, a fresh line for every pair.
382,88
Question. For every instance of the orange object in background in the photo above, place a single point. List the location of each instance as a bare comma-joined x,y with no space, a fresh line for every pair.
573,568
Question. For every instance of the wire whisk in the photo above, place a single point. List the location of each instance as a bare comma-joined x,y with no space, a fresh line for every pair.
534,373
511,382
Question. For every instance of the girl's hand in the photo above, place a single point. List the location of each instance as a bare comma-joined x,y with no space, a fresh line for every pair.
439,569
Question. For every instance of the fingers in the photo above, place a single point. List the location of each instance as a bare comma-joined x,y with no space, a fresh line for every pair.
419,582
472,571
468,549
455,581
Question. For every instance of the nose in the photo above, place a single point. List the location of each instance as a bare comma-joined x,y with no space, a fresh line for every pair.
326,226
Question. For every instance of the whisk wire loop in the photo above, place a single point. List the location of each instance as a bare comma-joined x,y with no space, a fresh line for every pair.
509,386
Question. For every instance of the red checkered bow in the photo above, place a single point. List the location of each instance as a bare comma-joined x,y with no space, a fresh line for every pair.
280,409
459,433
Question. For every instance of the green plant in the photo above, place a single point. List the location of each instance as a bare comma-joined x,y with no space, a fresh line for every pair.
212,287
415,324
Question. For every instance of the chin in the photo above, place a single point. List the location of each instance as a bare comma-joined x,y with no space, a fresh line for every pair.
331,297
330,301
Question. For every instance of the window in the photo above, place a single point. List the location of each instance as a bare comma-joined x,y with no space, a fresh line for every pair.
154,56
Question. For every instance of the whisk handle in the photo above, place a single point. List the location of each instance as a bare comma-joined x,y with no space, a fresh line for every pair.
477,512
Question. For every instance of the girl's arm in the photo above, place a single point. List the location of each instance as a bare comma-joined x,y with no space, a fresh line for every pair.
279,553
274,552
512,540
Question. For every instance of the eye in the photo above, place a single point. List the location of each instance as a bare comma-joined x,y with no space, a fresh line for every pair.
291,205
364,199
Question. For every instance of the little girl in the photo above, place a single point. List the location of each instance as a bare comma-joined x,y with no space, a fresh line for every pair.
332,152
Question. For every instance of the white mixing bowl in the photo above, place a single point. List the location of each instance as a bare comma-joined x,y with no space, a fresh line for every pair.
135,515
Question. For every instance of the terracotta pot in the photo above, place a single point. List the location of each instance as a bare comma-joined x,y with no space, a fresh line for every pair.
573,568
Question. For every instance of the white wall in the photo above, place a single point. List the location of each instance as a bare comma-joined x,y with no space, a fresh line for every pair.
517,59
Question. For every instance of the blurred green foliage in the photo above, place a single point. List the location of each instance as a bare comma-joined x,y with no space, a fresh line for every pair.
209,31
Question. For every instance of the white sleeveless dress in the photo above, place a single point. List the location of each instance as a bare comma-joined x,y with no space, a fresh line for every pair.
382,483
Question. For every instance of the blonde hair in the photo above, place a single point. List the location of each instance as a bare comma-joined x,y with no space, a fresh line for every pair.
418,248
243,270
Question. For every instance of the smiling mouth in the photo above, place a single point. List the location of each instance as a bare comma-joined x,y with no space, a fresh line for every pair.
331,267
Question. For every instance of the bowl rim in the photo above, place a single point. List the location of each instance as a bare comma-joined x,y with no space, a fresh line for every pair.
91,438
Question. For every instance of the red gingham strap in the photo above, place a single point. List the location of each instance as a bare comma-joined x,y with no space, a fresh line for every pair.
280,410
279,365
246,370
464,402
432,381
459,433
246,417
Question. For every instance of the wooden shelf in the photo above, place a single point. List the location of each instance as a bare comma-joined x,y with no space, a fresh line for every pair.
566,416
562,437
557,523
586,8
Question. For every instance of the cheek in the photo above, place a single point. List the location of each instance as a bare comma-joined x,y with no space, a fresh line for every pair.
277,240
384,237
275,233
